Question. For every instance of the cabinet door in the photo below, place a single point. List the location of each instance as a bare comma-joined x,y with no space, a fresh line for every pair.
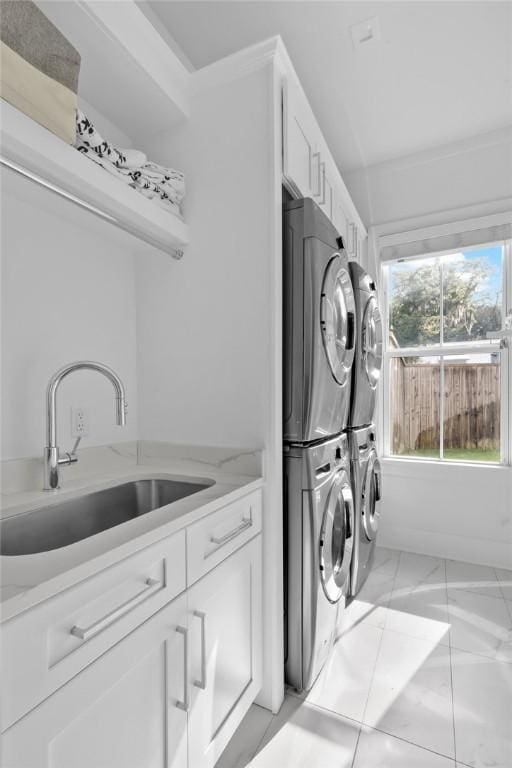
363,251
338,216
225,622
300,160
327,200
126,710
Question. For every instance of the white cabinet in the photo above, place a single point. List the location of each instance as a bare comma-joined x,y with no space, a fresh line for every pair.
301,161
300,154
309,169
125,710
327,200
48,645
225,619
170,693
338,217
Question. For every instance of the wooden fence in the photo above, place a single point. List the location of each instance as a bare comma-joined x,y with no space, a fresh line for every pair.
471,406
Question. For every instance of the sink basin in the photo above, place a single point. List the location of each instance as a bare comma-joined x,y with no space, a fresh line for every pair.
63,523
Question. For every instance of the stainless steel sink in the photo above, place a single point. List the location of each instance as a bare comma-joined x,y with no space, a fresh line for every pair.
63,523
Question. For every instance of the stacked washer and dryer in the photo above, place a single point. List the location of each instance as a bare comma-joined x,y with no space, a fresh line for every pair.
326,333
365,465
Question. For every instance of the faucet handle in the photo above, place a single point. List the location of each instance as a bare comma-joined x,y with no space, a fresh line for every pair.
75,447
70,457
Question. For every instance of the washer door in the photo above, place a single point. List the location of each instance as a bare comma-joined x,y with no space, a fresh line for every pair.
372,342
371,496
336,539
337,319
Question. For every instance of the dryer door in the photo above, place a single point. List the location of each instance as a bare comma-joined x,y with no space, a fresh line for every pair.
337,313
371,342
371,496
336,539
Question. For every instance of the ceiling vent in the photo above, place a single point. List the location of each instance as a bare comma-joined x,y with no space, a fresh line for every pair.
365,32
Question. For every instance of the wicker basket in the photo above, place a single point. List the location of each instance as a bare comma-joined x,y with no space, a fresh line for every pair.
39,68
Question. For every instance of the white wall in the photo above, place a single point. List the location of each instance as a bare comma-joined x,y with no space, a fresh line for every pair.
455,511
203,328
68,293
449,510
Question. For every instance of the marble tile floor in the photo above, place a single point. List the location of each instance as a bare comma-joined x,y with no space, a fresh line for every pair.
420,677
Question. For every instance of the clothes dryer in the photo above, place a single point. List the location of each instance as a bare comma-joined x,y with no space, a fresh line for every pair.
367,491
318,325
319,534
368,358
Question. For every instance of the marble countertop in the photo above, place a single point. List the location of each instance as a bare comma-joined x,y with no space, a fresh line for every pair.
29,579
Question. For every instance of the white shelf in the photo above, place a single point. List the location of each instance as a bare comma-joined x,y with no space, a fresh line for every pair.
29,146
128,72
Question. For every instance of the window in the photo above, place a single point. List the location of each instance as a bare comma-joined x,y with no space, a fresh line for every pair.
445,381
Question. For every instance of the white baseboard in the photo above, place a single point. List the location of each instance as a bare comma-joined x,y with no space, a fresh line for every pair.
497,554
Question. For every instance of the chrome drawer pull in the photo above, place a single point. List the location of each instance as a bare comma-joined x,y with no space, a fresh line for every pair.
88,632
202,682
221,540
184,704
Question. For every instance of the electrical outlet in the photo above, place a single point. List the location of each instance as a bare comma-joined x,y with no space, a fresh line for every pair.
79,422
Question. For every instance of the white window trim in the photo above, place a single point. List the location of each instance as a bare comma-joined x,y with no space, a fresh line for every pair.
442,350
499,221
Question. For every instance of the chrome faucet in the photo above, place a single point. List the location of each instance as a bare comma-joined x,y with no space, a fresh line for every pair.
52,458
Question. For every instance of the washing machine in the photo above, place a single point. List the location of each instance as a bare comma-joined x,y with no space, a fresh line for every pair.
367,491
318,325
319,535
368,359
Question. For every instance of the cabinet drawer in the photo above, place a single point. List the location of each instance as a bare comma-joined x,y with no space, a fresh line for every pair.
213,538
52,642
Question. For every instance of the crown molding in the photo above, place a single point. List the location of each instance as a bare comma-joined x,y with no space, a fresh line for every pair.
496,137
239,64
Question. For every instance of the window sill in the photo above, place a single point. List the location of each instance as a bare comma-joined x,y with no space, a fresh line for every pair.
401,463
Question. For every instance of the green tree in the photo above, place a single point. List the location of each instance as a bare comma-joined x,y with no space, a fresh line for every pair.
468,314
415,302
415,306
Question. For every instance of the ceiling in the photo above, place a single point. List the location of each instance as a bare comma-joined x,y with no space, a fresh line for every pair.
441,71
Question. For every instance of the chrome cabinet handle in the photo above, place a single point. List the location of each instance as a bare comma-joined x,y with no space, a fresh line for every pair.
316,156
93,629
322,166
221,540
202,682
353,239
184,704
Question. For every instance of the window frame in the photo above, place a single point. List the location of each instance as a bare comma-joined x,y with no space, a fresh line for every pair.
441,350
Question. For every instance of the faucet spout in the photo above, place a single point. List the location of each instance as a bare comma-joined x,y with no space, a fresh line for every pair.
52,458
